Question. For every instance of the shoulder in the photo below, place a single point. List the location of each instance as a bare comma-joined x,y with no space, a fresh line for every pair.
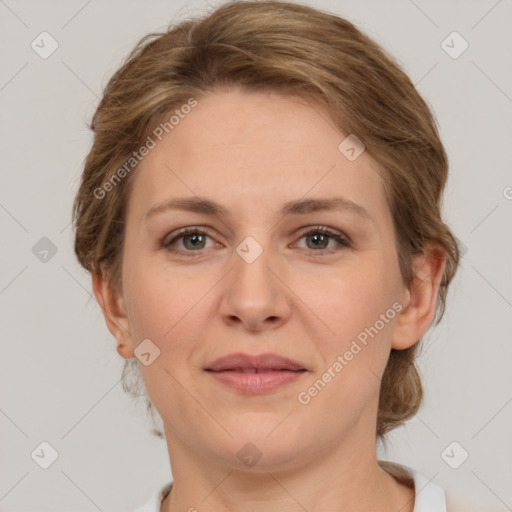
154,503
429,496
456,504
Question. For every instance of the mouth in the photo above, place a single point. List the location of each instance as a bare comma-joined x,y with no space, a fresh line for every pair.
255,374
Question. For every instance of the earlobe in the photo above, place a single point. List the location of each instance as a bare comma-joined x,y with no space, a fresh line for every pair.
420,298
113,309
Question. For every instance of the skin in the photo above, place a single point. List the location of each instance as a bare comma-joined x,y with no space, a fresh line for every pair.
252,152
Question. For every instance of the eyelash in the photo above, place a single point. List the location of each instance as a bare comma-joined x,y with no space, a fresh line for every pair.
342,241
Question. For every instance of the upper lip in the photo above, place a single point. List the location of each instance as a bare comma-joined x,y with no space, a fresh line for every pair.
258,362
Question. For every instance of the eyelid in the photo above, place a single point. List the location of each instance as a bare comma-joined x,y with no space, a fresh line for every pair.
324,229
341,239
177,234
184,231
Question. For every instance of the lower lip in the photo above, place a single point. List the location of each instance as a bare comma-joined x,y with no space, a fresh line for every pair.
256,383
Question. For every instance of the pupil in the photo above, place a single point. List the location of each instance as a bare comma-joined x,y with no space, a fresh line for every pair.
194,238
317,237
197,238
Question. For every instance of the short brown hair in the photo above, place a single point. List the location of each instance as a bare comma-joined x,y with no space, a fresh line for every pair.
295,50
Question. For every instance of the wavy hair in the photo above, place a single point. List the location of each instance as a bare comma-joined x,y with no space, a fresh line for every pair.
290,49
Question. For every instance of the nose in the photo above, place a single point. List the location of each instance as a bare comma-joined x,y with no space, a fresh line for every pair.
255,296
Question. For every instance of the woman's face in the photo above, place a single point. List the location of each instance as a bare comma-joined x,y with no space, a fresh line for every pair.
263,280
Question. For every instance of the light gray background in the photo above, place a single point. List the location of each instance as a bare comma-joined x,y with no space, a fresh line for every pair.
60,372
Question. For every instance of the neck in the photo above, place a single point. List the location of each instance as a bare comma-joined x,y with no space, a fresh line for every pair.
344,479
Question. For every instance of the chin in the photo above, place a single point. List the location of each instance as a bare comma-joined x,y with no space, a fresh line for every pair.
263,446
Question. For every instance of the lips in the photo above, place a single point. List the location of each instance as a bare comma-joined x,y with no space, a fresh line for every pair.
255,375
262,363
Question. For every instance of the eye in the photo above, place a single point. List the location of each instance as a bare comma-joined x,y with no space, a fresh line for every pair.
193,240
320,236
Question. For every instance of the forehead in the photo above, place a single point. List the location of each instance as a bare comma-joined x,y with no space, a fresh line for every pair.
252,151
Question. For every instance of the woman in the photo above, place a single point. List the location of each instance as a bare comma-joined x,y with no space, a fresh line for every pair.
260,214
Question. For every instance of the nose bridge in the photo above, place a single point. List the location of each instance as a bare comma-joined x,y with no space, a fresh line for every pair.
253,261
254,292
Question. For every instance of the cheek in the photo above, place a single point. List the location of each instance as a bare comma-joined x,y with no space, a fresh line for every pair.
352,300
161,308
355,355
159,298
357,307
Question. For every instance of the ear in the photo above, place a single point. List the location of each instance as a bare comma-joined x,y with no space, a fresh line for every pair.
420,298
113,308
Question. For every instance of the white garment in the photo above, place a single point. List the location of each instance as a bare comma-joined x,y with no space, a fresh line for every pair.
430,497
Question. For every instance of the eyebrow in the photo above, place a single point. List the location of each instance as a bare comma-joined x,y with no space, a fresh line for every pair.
297,207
